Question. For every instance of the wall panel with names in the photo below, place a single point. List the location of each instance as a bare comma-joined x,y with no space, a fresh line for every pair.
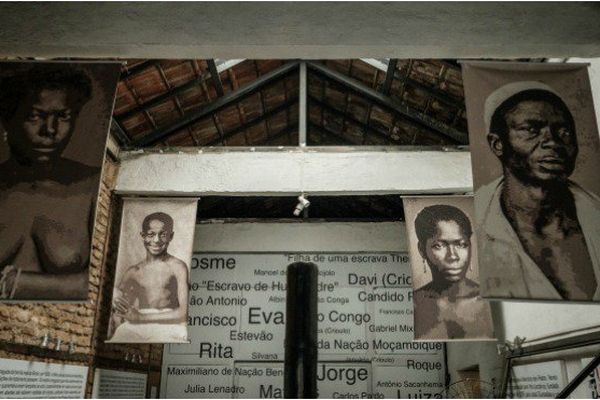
237,328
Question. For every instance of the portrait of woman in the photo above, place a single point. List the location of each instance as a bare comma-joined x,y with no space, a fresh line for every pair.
446,297
48,184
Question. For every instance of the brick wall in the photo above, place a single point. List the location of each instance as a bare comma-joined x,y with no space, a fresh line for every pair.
23,325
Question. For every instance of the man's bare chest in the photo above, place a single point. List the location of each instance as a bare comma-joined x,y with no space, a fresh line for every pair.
565,261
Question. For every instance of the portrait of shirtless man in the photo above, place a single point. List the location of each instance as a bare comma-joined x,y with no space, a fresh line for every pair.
150,299
46,200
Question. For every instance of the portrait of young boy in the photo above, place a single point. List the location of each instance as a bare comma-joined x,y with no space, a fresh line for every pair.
150,296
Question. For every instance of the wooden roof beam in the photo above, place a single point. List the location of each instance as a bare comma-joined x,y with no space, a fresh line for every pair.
332,134
389,76
216,79
138,68
222,102
375,96
258,120
351,118
159,99
405,78
177,90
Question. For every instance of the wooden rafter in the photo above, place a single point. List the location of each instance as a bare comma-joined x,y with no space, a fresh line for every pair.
392,104
138,68
216,79
163,97
256,121
340,114
389,76
216,105
165,81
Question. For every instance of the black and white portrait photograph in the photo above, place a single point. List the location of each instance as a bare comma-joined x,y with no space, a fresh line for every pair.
150,296
445,274
54,122
535,153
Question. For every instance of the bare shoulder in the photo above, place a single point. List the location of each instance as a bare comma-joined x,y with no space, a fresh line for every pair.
177,265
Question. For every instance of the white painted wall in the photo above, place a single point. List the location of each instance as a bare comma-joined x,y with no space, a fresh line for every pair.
301,236
292,171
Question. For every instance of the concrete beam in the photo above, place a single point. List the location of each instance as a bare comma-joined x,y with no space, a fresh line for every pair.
300,29
290,171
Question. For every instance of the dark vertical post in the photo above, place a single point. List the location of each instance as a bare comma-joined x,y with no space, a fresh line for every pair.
300,367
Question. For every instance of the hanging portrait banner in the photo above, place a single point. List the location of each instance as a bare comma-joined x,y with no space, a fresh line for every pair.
55,118
535,155
445,273
150,296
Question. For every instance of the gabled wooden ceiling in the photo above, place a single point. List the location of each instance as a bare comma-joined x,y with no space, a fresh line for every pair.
256,103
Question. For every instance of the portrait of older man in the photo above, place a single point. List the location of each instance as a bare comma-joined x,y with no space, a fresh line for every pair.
539,230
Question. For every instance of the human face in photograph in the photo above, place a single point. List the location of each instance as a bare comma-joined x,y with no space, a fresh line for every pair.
540,145
156,238
448,252
42,126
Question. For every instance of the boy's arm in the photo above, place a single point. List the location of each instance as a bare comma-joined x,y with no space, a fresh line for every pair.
121,305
